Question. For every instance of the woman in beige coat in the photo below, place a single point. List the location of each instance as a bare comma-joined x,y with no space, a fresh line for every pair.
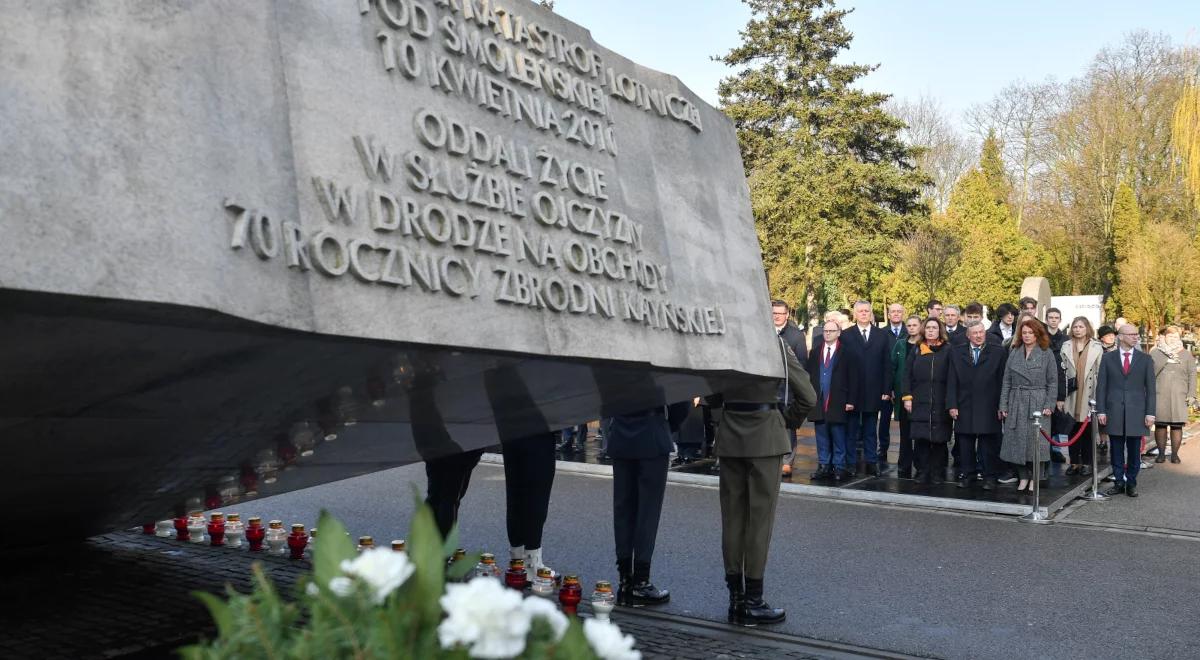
1175,383
1081,364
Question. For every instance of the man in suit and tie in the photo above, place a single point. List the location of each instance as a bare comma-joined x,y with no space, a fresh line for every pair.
832,373
871,349
897,333
793,336
1125,399
973,397
956,332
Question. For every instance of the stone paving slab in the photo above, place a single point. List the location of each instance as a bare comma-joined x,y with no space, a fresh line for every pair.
127,594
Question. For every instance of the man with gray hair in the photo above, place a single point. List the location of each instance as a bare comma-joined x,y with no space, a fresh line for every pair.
956,332
871,349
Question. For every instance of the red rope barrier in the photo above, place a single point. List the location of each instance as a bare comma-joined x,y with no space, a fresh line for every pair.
1078,434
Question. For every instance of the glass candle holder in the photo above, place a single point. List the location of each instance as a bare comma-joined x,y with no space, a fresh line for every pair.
216,529
603,600
181,529
487,566
235,532
255,534
164,528
515,576
196,527
297,541
365,543
570,594
399,545
276,537
543,583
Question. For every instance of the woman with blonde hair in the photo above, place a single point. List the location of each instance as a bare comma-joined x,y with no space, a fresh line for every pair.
1175,384
1081,364
1030,385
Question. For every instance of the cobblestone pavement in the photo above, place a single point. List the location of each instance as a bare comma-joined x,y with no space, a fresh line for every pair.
129,595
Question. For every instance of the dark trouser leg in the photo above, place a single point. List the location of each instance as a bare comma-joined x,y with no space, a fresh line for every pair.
625,506
884,433
651,489
938,456
922,456
989,448
905,461
528,479
1116,453
447,481
733,494
1133,458
868,431
762,485
965,444
1081,451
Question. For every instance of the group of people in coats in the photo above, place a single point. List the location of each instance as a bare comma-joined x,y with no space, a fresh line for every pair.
954,378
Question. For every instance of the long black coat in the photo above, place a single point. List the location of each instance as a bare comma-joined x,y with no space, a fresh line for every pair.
925,382
975,388
645,434
793,336
831,405
958,336
874,360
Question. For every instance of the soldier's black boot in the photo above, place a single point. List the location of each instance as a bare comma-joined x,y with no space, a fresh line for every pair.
624,582
642,592
737,596
755,610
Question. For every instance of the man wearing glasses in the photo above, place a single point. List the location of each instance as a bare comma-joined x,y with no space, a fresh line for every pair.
1125,399
793,336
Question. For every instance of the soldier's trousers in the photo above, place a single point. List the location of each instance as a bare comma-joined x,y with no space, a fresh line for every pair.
749,495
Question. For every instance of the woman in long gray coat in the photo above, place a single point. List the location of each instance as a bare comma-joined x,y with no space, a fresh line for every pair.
1175,383
1030,384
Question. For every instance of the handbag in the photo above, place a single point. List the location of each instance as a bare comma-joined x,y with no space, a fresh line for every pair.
1072,384
1061,422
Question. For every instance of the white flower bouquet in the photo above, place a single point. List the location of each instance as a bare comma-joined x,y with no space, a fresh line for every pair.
387,604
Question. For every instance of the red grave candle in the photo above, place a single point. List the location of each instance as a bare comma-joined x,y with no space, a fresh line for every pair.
181,530
570,594
297,541
216,529
255,533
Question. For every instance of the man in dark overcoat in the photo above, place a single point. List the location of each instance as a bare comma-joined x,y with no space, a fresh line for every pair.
871,348
834,378
973,398
793,336
1125,400
752,440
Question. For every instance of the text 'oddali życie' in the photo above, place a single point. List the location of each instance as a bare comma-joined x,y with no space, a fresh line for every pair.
415,226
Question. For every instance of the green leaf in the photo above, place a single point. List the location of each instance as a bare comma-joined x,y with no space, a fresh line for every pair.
219,611
459,569
333,546
574,644
451,542
425,551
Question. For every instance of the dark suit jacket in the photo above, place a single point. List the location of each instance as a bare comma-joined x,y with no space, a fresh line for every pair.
831,405
959,336
874,361
793,336
975,388
994,336
1127,400
645,434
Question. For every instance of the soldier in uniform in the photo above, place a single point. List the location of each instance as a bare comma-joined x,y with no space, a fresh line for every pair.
639,445
752,439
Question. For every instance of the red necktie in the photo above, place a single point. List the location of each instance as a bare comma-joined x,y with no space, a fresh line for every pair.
1125,368
828,355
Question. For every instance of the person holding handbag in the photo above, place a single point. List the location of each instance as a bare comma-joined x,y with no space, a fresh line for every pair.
1081,365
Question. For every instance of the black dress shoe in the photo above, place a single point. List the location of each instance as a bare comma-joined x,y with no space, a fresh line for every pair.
962,483
755,611
904,474
1131,491
1071,470
873,470
987,485
921,477
1085,471
1115,490
823,472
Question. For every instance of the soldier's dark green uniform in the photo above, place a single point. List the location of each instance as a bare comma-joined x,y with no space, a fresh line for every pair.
751,442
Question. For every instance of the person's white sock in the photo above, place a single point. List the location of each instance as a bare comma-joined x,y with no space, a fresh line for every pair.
533,561
517,552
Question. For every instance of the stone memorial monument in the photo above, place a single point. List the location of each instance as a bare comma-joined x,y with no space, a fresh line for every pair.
254,246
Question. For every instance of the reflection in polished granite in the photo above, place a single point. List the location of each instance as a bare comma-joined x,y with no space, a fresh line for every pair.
115,413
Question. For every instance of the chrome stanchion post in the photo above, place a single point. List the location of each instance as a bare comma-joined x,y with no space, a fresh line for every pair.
1094,495
1036,515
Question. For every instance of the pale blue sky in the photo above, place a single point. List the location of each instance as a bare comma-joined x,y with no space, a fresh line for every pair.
961,52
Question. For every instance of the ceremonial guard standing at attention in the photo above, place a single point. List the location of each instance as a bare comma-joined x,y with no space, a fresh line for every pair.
639,445
751,442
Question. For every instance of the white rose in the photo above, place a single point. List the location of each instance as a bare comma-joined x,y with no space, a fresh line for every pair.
342,586
540,608
607,641
383,569
486,617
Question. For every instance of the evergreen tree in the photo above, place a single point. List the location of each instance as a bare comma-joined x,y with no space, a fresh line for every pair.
832,185
992,166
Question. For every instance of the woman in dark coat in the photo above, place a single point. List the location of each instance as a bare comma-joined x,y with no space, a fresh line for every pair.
900,353
925,400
